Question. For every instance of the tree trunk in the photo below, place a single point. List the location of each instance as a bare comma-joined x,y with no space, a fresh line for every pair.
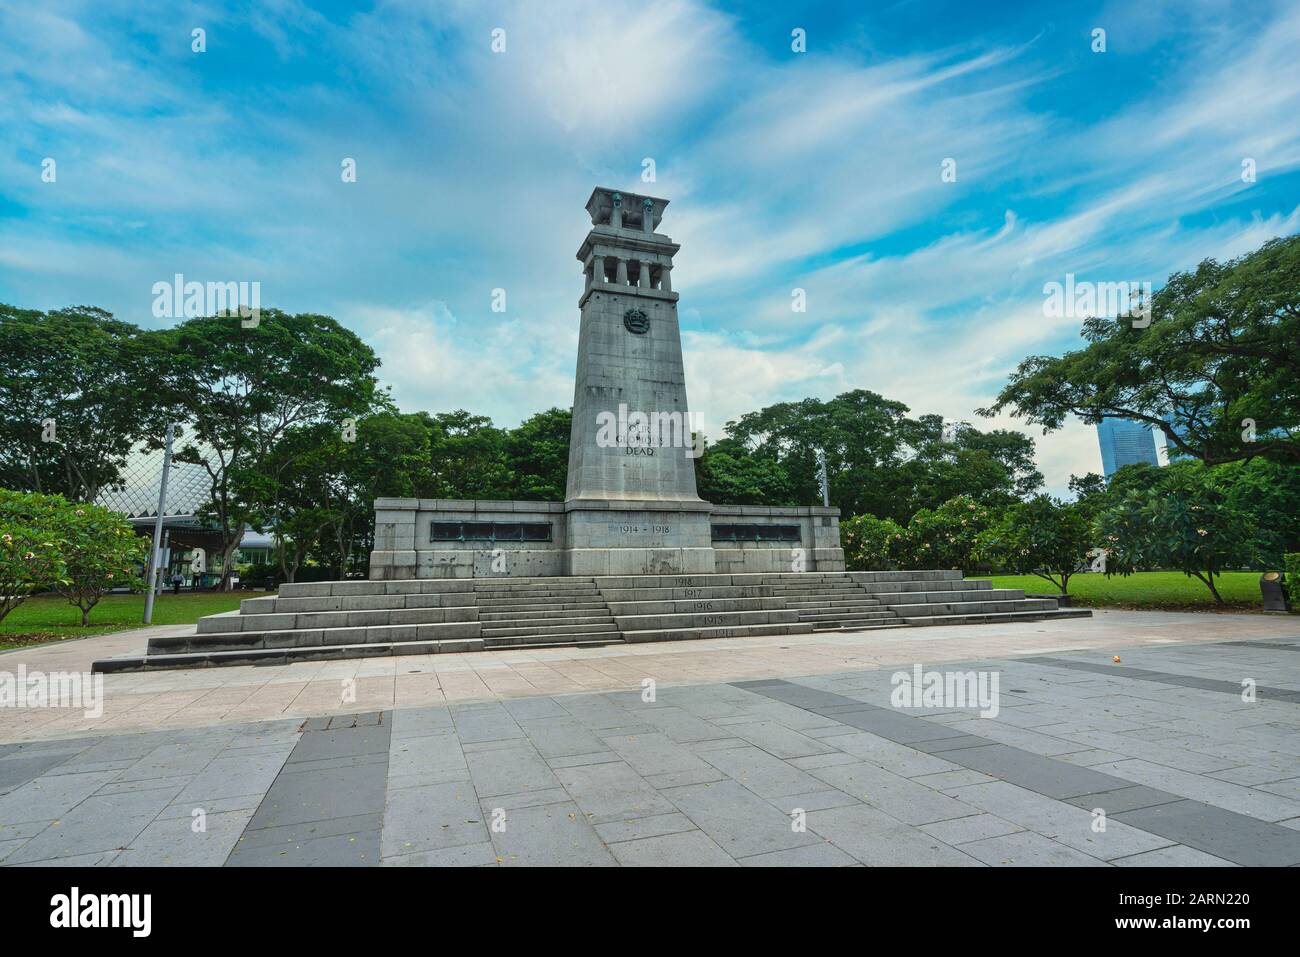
85,617
227,560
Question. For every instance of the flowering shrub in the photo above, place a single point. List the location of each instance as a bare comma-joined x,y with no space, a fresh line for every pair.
80,551
948,536
31,546
1043,537
871,544
100,552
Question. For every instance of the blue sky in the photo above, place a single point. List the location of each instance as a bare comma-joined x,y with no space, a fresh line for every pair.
817,170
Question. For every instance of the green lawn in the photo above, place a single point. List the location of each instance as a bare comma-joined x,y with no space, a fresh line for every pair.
1149,590
40,620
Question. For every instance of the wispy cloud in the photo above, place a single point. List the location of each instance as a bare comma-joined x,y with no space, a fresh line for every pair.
818,171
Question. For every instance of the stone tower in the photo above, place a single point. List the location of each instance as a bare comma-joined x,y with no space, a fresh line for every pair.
631,448
631,425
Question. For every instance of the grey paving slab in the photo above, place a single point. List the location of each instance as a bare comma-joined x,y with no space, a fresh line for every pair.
432,817
683,849
897,796
1176,855
1233,797
637,828
898,758
738,821
1048,776
944,780
48,797
484,722
464,855
326,806
1063,823
99,823
765,775
1123,799
814,800
810,855
1222,833
553,835
655,753
877,839
418,722
974,827
434,758
1264,692
18,769
175,842
562,736
538,797
778,740
1028,849
612,792
510,770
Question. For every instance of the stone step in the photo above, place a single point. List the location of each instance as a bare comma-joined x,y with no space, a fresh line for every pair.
423,586
540,614
871,625
991,617
698,633
866,614
572,640
702,606
955,594
687,620
281,656
687,594
858,599
269,606
877,588
571,626
931,609
307,637
546,607
314,620
494,587
936,574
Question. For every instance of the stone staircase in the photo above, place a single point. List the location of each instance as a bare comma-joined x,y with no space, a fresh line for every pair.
543,612
354,619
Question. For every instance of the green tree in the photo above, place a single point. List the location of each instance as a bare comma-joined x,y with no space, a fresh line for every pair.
467,457
1188,524
31,545
100,552
1217,369
76,396
729,474
948,536
1044,537
239,389
537,456
871,544
1091,495
880,461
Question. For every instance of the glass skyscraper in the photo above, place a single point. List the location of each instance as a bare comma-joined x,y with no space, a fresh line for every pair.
1125,442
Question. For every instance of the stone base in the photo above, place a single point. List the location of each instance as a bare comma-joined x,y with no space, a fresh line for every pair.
598,537
638,538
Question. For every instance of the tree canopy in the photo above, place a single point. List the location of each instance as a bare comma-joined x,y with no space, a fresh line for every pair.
1217,369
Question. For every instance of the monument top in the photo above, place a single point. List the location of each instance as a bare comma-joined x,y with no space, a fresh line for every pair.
624,210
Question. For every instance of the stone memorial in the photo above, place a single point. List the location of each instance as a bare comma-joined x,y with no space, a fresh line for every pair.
631,554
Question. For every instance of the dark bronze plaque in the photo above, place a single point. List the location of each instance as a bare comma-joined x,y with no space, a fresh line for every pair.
636,322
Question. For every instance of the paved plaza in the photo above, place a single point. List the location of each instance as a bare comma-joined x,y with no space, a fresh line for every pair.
1155,760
